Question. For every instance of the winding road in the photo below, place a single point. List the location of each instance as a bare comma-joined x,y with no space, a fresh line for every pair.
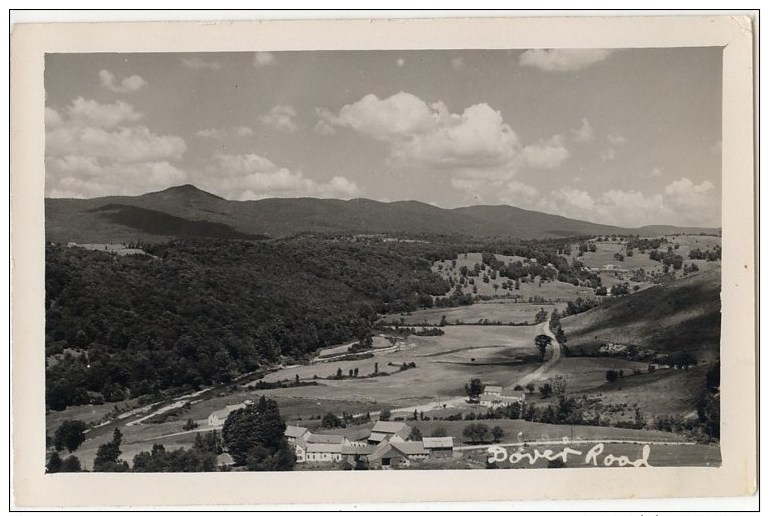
461,401
542,371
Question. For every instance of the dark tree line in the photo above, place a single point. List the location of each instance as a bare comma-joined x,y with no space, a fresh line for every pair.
208,311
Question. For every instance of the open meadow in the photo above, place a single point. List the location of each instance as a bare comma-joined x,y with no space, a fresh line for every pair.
443,364
503,311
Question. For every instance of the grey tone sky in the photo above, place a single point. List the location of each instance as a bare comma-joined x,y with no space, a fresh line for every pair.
627,137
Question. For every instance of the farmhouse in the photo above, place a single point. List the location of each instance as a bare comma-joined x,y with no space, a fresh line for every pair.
502,398
493,390
322,452
392,431
218,417
300,450
439,447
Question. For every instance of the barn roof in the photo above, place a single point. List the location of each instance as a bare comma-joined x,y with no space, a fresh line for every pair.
410,447
390,427
324,448
380,451
295,431
357,450
438,442
378,436
324,438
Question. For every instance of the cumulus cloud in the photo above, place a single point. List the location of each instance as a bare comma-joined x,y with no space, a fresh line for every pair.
421,134
95,114
681,202
100,149
716,148
323,127
562,60
392,119
110,179
196,63
687,197
250,176
476,147
281,118
656,172
264,59
546,154
400,62
584,133
222,134
128,85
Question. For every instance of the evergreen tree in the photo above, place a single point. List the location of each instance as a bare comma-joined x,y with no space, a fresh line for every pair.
108,455
69,435
254,437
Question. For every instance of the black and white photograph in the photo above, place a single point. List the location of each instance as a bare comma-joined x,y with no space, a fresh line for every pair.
383,260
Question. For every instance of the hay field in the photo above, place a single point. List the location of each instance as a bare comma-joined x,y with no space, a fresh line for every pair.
443,365
504,311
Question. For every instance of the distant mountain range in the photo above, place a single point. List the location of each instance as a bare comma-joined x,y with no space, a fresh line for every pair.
186,211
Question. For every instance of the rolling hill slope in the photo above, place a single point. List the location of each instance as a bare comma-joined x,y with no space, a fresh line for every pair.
682,316
194,212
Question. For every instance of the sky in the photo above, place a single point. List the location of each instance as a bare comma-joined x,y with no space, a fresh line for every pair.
616,136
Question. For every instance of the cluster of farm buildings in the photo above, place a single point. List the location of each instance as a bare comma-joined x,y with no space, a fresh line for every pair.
388,446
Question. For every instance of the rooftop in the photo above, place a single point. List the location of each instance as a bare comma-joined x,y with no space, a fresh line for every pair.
438,442
295,431
390,427
410,447
324,439
324,448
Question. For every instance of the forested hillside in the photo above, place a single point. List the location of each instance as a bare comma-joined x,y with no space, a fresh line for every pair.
205,311
186,212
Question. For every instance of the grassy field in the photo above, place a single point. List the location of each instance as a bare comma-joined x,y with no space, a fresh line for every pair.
552,291
585,373
378,342
443,365
683,315
504,311
645,391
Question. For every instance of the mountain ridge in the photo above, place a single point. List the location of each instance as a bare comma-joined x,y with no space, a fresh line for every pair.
131,218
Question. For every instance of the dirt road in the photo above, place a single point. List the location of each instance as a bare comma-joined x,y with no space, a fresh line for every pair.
542,371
